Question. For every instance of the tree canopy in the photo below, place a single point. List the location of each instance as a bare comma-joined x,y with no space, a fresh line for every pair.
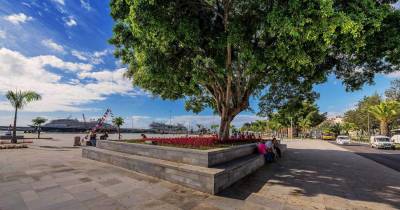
360,114
38,121
393,93
220,53
294,113
385,112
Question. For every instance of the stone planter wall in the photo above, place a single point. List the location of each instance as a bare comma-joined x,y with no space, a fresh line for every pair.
208,171
204,158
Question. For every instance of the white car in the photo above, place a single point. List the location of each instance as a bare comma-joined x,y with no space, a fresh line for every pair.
343,140
396,139
381,142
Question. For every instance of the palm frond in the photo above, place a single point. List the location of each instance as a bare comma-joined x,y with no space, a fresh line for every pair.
19,99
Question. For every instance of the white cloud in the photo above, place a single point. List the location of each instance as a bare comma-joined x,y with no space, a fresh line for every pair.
58,94
59,2
395,74
26,4
140,121
94,57
3,34
55,62
17,19
52,45
110,82
70,21
81,56
85,4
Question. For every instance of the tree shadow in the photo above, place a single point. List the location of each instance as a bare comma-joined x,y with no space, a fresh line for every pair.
312,172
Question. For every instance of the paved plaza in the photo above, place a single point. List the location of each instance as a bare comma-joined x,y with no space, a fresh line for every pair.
313,175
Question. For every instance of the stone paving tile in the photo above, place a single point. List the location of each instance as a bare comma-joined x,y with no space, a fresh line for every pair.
43,185
26,180
254,206
47,202
87,195
205,206
103,203
12,201
29,195
110,182
66,205
83,187
154,204
265,202
223,203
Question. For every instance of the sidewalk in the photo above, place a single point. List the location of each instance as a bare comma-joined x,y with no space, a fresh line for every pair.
319,175
313,175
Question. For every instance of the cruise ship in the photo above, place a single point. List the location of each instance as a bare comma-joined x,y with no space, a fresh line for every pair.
72,125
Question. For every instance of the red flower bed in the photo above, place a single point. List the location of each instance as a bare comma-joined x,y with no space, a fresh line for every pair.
201,141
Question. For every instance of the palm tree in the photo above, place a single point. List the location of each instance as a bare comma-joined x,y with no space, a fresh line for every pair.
275,126
38,121
214,127
385,112
118,121
304,124
18,100
346,127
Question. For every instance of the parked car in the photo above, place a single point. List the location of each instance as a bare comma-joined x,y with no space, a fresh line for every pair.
381,142
395,136
396,139
343,139
328,136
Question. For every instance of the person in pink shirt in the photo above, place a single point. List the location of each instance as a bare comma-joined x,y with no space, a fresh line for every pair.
261,148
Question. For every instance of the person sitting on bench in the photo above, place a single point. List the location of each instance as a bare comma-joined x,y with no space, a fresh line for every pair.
275,144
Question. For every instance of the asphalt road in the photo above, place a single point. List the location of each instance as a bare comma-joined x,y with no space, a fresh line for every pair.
389,158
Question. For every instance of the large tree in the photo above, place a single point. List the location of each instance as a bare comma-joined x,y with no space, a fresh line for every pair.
220,53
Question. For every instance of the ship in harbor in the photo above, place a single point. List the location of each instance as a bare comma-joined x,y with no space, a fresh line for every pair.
72,125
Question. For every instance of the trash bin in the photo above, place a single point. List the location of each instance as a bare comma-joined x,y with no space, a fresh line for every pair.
77,141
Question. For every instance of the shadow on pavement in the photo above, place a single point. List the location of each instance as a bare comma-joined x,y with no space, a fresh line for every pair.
313,172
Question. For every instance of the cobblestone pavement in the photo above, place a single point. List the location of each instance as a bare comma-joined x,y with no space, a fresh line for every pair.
313,175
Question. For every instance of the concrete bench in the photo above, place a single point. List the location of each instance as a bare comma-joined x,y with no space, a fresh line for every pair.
8,141
9,137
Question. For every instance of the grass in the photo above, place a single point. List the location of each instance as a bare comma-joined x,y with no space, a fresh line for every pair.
397,146
215,146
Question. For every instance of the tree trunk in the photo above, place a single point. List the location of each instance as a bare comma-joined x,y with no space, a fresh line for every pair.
38,132
119,134
14,135
384,128
224,127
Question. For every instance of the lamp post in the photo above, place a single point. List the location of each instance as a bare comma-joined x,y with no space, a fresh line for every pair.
291,127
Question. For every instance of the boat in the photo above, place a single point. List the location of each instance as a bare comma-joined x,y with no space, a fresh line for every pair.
72,125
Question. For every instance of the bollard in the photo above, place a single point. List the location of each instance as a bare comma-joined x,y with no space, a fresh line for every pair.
77,141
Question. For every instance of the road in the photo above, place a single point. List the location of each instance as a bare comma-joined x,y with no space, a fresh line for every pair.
389,158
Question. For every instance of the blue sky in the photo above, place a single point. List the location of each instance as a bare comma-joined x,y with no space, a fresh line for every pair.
59,48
